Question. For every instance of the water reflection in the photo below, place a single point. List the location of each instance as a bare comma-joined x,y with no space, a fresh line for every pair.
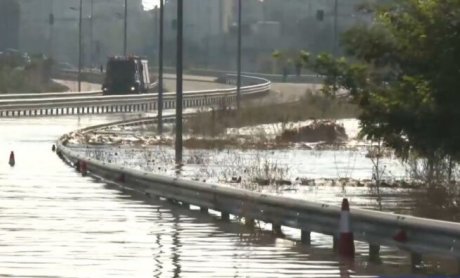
54,223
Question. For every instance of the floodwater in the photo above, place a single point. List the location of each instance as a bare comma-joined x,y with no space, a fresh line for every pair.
55,223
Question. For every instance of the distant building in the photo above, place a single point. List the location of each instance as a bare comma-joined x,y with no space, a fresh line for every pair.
202,18
102,28
9,24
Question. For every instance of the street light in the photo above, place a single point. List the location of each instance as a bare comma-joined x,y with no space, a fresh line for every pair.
125,38
179,72
160,70
80,56
238,77
91,38
50,31
336,27
80,62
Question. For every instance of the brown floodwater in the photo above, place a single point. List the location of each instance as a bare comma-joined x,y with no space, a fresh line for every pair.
55,223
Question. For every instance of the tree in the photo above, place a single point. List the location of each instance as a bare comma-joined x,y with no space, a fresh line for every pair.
404,72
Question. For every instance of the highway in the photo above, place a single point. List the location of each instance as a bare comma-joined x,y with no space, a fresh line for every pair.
191,83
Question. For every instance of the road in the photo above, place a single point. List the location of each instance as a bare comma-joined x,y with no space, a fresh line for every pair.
55,223
191,83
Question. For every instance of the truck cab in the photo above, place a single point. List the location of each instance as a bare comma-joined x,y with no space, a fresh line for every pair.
126,75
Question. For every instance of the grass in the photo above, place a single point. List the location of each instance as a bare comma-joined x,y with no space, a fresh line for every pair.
311,106
34,77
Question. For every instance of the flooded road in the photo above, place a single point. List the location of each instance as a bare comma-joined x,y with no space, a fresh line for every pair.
55,223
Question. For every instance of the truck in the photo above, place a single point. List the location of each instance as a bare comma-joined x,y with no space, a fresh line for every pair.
126,75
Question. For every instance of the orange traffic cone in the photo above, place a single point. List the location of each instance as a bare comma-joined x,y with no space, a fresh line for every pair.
12,161
346,242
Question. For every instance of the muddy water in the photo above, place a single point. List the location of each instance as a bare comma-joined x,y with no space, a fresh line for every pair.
329,172
55,223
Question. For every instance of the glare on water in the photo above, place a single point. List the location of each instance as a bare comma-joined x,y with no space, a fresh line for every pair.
55,223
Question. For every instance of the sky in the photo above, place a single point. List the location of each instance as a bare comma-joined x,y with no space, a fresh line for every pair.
149,4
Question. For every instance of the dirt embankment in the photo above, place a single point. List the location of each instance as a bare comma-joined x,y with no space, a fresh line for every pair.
319,131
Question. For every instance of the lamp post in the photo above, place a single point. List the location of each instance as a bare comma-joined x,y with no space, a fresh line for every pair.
160,70
91,38
238,68
179,72
336,27
50,31
125,32
80,62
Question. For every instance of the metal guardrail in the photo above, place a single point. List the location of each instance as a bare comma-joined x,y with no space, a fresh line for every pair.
424,236
49,95
278,78
125,103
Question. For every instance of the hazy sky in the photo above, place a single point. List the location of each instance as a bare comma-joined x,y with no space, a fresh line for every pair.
149,4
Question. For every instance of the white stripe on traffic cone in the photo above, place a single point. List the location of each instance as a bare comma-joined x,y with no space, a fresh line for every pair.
346,242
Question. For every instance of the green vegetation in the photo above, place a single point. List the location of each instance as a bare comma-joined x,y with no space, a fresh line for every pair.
311,106
20,75
404,73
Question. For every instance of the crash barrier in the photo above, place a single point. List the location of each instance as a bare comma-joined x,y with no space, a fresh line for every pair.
418,236
87,76
276,78
49,95
99,104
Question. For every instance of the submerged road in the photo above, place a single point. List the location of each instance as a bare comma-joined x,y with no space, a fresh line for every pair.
55,223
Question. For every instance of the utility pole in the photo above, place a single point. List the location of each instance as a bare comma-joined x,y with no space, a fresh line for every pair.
179,72
125,36
80,56
336,27
51,24
91,48
238,68
160,70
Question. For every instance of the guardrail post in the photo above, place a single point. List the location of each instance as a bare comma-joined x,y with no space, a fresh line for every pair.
374,252
249,222
186,205
416,259
305,237
335,242
172,201
225,216
203,209
276,229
